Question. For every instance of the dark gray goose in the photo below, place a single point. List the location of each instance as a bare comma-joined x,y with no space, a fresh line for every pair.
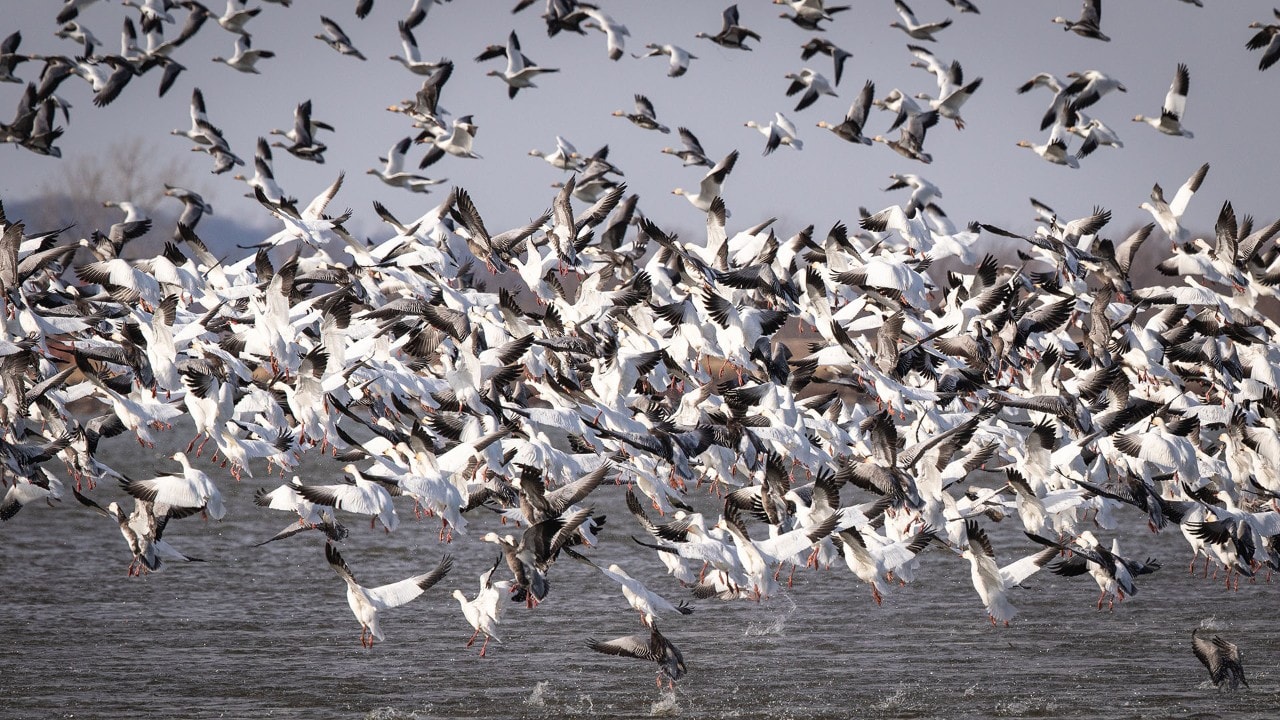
1221,658
655,648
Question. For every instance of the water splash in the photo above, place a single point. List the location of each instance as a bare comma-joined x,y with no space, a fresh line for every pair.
776,624
1212,623
667,706
541,691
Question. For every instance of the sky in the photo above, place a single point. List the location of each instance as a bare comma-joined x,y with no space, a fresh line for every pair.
1232,109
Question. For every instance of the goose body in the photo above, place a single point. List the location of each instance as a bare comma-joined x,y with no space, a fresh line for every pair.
368,603
1169,121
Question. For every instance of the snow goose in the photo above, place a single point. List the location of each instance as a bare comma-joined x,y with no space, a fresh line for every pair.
194,207
334,37
39,485
358,495
191,490
875,562
412,58
922,191
9,57
779,131
1175,105
1113,573
826,47
993,582
564,157
809,14
1089,86
1168,215
953,92
692,153
236,16
712,182
615,32
142,531
644,116
679,57
910,142
457,142
1268,36
538,548
640,598
70,9
688,537
811,83
1055,148
482,610
855,120
304,127
367,602
518,74
731,35
654,647
913,27
1090,23
245,58
1095,133
1221,658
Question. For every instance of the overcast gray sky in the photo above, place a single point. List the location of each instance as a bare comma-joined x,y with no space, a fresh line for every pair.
1232,108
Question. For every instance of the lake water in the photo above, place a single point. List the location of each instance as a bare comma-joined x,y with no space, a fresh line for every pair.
266,632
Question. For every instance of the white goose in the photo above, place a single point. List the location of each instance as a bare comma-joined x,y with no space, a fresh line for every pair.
779,131
482,610
366,603
358,495
712,182
394,174
1168,215
1175,105
518,75
993,582
245,58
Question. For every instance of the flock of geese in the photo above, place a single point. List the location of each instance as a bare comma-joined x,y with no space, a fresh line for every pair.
850,399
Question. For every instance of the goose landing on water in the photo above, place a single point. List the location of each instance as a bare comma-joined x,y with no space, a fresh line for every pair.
1221,658
656,648
366,603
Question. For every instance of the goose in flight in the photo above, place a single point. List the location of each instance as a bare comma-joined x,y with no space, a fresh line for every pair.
679,57
1168,215
811,83
826,47
913,27
1175,104
993,582
731,35
519,74
709,188
779,131
245,58
654,647
855,120
1220,657
1268,37
143,530
358,495
1090,23
366,603
692,153
482,610
644,116
334,37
